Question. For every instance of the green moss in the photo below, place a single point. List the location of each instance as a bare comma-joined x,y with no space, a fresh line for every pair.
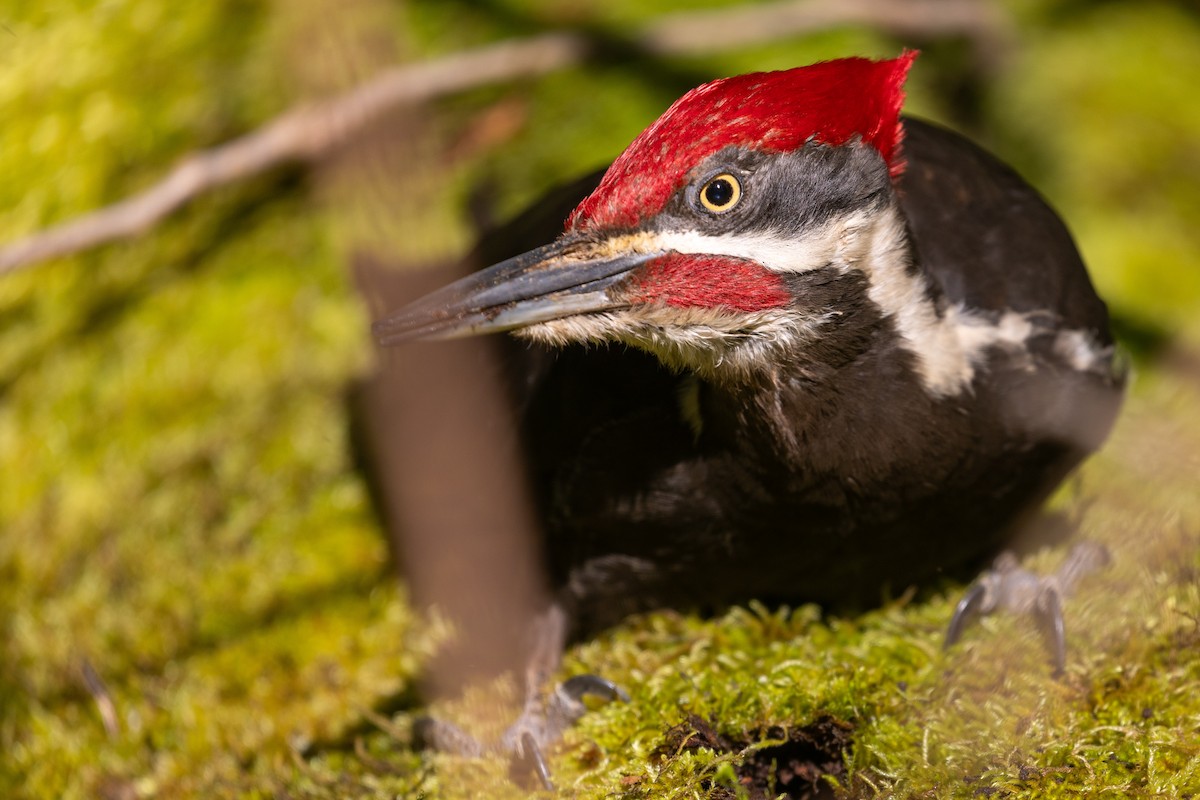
179,509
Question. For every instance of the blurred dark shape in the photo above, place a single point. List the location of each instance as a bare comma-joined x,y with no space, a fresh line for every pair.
436,435
438,431
432,424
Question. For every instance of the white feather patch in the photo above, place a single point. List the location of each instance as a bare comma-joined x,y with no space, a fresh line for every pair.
948,344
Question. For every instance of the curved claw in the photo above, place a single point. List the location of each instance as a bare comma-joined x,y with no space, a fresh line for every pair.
1048,610
1007,586
968,610
543,723
531,752
566,703
581,686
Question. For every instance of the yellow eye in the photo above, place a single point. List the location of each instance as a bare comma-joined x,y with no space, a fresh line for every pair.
721,193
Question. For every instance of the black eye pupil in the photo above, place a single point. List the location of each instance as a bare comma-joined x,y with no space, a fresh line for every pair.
719,192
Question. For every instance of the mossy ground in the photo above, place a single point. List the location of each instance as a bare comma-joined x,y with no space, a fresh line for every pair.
179,510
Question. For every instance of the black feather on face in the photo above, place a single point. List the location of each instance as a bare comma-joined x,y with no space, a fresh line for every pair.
784,194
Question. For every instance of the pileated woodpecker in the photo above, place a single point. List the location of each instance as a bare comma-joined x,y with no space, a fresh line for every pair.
838,349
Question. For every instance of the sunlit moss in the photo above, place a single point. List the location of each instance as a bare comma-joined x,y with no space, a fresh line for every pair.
179,509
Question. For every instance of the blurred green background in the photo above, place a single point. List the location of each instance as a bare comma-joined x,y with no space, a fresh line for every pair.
179,510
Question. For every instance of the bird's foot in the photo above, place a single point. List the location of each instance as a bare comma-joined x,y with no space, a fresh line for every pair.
542,723
544,717
1010,587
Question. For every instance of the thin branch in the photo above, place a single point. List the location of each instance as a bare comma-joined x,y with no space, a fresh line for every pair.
306,132
300,134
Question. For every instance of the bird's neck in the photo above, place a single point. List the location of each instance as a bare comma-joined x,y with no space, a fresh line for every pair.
866,423
851,403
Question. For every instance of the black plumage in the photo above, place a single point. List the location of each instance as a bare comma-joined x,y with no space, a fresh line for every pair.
791,347
834,476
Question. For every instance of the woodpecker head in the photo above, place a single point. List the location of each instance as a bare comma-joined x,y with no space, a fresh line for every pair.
720,234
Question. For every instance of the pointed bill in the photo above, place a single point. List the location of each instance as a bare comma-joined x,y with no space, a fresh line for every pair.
569,277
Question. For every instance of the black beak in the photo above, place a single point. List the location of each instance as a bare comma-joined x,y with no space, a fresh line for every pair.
569,277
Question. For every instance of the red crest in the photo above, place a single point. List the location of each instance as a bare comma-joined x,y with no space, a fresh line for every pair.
830,102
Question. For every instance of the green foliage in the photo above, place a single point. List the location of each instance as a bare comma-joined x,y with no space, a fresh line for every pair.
178,508
1112,140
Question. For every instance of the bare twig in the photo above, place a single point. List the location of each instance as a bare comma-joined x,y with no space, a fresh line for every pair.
302,133
306,132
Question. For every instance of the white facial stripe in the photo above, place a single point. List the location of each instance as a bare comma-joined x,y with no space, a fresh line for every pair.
946,347
948,344
775,252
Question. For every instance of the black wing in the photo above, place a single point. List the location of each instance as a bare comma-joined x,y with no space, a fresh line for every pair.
1009,251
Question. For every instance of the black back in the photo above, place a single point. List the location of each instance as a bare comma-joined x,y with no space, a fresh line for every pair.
987,237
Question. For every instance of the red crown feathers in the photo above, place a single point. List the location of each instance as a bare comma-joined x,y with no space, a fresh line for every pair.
830,102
